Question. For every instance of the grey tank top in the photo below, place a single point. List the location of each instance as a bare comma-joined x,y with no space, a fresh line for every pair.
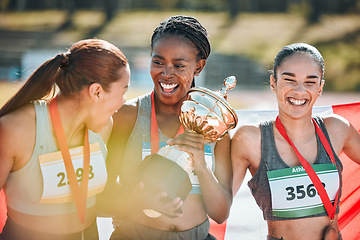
271,160
23,188
142,133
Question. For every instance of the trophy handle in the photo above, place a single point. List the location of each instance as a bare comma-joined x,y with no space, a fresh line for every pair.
229,84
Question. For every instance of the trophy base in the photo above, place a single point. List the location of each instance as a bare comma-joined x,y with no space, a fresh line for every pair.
160,174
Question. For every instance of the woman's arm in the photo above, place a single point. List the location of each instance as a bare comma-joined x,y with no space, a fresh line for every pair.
218,207
17,140
215,188
245,153
343,136
352,144
7,157
112,202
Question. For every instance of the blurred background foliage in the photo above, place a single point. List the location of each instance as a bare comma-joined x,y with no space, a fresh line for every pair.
245,34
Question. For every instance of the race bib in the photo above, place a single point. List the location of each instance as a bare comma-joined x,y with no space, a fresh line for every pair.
56,186
146,150
294,195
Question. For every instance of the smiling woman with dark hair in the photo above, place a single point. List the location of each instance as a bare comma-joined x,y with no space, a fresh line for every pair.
296,172
180,47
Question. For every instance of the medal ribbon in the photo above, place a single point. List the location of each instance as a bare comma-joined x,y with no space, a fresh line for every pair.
330,209
79,193
155,128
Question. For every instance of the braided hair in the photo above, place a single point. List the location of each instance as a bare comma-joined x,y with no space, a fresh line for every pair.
185,26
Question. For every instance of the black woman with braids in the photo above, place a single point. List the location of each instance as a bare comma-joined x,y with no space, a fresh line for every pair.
180,47
49,145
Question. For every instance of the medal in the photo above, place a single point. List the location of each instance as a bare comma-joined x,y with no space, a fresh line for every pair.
155,147
329,207
155,128
79,193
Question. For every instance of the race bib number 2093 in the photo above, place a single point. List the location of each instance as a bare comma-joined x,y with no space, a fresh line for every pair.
56,187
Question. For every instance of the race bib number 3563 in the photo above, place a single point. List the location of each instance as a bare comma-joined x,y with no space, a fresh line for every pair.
294,195
56,187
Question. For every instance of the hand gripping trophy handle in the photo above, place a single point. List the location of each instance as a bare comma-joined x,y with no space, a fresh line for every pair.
204,112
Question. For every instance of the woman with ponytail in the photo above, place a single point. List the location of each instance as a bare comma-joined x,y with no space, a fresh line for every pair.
52,149
293,159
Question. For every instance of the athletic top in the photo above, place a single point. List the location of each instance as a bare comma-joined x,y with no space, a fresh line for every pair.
271,160
24,187
141,134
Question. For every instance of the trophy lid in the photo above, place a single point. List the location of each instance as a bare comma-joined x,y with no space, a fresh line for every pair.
220,99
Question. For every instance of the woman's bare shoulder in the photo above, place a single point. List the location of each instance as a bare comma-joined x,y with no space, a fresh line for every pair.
337,126
343,135
246,134
124,119
246,145
18,121
17,131
334,121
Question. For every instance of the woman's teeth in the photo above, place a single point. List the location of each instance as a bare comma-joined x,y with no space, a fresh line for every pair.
168,87
297,102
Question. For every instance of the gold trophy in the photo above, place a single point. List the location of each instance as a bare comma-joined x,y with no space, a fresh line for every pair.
204,112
